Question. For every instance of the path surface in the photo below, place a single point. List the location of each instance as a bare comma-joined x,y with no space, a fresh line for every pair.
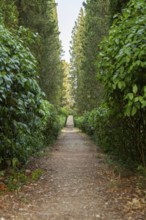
76,185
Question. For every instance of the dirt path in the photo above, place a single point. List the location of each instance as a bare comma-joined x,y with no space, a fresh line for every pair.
76,185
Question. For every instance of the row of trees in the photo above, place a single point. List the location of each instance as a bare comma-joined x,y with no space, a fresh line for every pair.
31,77
91,26
39,17
109,81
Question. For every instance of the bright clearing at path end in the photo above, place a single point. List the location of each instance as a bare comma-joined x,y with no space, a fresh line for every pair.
68,11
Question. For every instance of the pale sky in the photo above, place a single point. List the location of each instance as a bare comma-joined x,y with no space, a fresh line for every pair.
68,11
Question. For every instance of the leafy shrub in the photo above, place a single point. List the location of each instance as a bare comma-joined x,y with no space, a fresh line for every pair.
52,121
122,62
122,68
78,122
112,133
64,111
63,115
86,122
25,117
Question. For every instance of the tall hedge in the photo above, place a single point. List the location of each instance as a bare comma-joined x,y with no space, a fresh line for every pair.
122,69
119,125
25,118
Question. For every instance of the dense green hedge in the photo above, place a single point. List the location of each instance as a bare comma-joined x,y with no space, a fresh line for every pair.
51,122
122,69
115,135
63,115
120,125
27,121
121,62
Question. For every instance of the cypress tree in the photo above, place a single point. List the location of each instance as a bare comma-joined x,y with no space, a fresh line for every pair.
41,16
87,34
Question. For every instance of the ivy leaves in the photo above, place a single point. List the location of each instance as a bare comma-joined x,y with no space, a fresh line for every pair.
122,62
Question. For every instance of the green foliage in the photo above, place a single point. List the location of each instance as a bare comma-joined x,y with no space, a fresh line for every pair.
116,6
52,121
122,60
76,62
94,122
64,111
25,118
20,95
36,174
95,29
63,115
37,23
141,170
121,68
92,24
40,16
16,180
113,134
8,14
66,97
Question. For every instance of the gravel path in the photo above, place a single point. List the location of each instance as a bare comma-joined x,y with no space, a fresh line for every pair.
76,185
